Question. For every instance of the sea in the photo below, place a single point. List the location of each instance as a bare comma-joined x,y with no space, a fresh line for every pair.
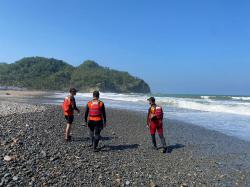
224,113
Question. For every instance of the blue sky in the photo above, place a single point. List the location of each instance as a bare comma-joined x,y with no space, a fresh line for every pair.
177,46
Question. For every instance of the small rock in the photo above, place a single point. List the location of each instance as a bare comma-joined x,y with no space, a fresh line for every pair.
15,178
118,180
96,166
4,142
8,158
31,183
184,185
6,181
43,154
54,158
14,140
218,163
127,182
6,175
100,177
152,184
2,182
221,176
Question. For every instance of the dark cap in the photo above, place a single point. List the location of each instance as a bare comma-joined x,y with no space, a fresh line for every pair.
151,99
73,90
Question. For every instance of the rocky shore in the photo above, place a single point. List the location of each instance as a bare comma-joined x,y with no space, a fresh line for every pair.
9,108
33,152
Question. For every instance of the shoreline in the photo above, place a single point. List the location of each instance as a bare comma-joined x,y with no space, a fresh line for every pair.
199,156
230,124
24,93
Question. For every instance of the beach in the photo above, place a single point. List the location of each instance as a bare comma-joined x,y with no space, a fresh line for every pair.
34,153
124,69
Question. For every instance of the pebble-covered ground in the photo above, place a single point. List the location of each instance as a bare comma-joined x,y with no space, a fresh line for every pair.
34,153
9,108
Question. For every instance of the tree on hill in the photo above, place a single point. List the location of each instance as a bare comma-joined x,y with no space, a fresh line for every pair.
53,74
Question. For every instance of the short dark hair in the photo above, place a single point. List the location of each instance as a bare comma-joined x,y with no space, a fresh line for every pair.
96,93
72,90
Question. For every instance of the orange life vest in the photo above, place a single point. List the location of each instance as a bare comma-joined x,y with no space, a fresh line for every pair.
156,113
67,106
95,110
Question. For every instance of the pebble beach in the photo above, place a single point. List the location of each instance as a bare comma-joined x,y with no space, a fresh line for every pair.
34,153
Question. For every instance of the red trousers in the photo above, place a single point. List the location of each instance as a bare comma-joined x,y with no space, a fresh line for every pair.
156,125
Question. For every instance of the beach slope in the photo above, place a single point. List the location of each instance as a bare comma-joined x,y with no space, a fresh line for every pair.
34,153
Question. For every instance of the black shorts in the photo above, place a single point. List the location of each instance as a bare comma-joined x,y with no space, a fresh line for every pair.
69,119
95,125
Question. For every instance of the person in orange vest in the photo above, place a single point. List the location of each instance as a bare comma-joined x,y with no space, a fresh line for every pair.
69,105
95,117
155,122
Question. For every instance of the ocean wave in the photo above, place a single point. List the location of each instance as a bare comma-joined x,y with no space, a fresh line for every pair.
117,97
241,98
220,97
233,109
205,103
216,97
205,97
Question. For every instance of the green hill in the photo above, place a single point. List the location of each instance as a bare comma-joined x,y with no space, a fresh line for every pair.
52,74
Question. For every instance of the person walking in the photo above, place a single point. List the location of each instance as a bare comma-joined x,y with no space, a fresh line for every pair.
69,105
155,122
95,117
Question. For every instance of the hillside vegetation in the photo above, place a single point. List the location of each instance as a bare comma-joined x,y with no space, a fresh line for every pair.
52,74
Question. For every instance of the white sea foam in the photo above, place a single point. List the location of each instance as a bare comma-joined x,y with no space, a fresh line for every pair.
241,98
233,109
118,97
203,104
230,115
205,97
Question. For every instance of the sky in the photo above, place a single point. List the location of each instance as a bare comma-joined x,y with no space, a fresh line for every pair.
176,46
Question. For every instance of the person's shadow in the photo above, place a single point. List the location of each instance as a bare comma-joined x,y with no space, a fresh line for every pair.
121,147
170,148
83,139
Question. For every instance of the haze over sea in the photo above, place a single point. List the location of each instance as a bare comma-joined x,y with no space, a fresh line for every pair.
227,114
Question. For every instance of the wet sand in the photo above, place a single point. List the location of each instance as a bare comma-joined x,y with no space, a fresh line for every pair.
15,93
